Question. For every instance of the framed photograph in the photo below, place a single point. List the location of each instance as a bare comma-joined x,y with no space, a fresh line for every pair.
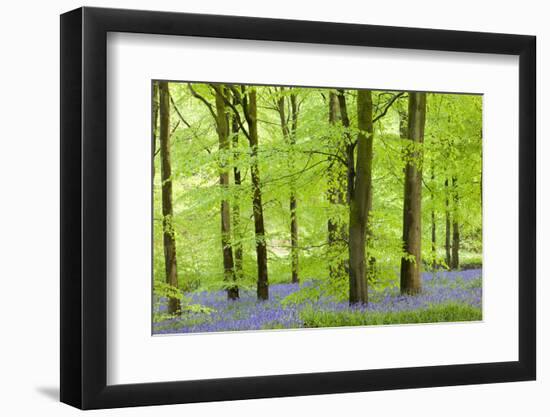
256,208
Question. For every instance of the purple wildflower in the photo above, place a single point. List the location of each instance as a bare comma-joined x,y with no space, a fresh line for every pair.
463,287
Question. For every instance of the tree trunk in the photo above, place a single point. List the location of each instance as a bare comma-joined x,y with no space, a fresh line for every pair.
403,128
169,237
289,133
354,296
337,229
348,144
412,203
250,110
294,238
155,126
455,264
237,236
447,226
293,202
222,126
361,200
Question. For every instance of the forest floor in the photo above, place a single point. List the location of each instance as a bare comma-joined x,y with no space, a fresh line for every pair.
447,296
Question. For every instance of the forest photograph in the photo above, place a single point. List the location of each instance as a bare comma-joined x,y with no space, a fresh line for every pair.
290,207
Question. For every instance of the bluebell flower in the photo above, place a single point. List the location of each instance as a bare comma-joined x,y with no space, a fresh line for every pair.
462,287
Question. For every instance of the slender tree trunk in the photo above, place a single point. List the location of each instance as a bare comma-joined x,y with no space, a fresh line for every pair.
294,238
455,264
237,236
403,124
289,133
354,296
222,126
349,145
361,200
447,226
293,202
412,204
155,126
250,110
337,229
169,238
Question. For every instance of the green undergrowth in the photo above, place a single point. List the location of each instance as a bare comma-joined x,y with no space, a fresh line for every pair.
433,314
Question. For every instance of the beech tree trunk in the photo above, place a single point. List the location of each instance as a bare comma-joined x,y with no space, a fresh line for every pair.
169,239
412,204
455,264
155,126
293,202
222,126
354,296
289,133
337,185
403,124
250,111
361,200
237,236
348,145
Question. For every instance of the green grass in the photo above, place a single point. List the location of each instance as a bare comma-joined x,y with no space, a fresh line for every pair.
469,260
473,257
434,314
188,321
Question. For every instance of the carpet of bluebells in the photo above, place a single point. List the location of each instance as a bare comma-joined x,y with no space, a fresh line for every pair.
441,288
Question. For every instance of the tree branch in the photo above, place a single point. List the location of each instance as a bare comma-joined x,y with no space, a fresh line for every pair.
235,110
207,104
178,112
186,123
390,103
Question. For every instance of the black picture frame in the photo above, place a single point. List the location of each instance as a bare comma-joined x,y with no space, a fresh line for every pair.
84,207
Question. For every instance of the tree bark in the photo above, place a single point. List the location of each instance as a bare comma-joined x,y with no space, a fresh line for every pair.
155,126
237,236
412,203
250,112
403,121
293,202
361,200
169,238
222,127
289,133
354,296
455,264
337,184
348,144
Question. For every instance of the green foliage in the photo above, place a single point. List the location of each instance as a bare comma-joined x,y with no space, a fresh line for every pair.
162,289
311,166
331,289
197,309
471,260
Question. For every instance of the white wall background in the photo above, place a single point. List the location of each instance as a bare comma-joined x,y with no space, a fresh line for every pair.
29,225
